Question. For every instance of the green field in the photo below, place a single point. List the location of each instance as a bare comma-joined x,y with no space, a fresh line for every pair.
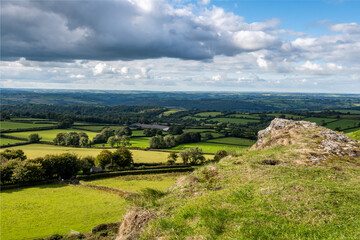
288,116
39,150
245,116
6,141
233,140
350,111
92,128
193,118
207,114
34,212
169,112
49,135
5,125
135,183
208,147
234,120
343,124
355,135
30,119
319,121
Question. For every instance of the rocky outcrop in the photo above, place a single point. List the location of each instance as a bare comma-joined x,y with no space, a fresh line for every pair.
320,141
133,222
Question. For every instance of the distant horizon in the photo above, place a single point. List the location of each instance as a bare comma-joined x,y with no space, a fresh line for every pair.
180,91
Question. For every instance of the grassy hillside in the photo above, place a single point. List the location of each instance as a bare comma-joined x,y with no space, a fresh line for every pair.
246,198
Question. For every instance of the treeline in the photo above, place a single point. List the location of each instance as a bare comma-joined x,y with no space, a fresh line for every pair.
16,168
93,114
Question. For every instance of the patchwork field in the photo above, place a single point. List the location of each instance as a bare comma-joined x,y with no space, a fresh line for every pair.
233,140
245,116
49,135
4,125
319,121
39,150
343,124
6,141
34,212
234,120
208,114
135,183
209,147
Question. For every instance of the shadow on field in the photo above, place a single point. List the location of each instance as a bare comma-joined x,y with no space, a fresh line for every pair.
53,186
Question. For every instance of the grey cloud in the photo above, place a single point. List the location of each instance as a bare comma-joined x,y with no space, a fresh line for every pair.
125,30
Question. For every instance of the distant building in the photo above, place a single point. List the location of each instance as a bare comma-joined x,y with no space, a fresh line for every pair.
161,127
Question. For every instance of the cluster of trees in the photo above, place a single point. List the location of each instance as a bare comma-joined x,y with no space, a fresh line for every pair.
194,156
72,139
150,132
16,168
121,158
169,141
119,136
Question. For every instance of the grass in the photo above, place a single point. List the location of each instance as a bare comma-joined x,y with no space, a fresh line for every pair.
5,125
208,147
343,124
136,183
355,135
141,142
288,116
208,114
233,140
28,213
245,199
6,141
234,120
199,130
169,112
49,135
39,150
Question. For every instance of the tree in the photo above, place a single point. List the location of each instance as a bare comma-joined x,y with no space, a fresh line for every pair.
175,130
104,158
34,138
192,156
86,163
64,165
122,157
112,140
124,141
209,135
172,158
84,142
72,139
60,139
157,142
121,131
169,141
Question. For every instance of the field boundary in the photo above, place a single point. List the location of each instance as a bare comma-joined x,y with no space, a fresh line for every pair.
28,129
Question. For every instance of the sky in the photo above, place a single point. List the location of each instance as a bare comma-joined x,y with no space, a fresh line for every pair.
182,45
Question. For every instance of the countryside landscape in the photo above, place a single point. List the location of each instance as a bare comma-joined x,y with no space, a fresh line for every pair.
179,119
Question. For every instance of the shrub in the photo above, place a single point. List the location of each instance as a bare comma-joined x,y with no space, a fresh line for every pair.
122,157
27,171
34,138
104,158
12,154
220,154
157,142
172,158
192,156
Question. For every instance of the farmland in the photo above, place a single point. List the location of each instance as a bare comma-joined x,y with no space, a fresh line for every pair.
135,183
7,141
208,147
355,135
49,209
39,150
234,120
49,135
233,141
5,125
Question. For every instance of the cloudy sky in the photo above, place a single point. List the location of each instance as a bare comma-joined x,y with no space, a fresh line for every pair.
175,45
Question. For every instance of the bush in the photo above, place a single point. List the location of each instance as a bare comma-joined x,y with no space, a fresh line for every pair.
104,158
64,165
192,155
172,158
27,171
122,157
34,138
12,154
157,142
220,154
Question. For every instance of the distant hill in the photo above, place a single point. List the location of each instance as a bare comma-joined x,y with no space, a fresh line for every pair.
221,101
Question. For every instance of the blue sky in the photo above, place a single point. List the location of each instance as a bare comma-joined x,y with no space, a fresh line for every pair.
204,45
